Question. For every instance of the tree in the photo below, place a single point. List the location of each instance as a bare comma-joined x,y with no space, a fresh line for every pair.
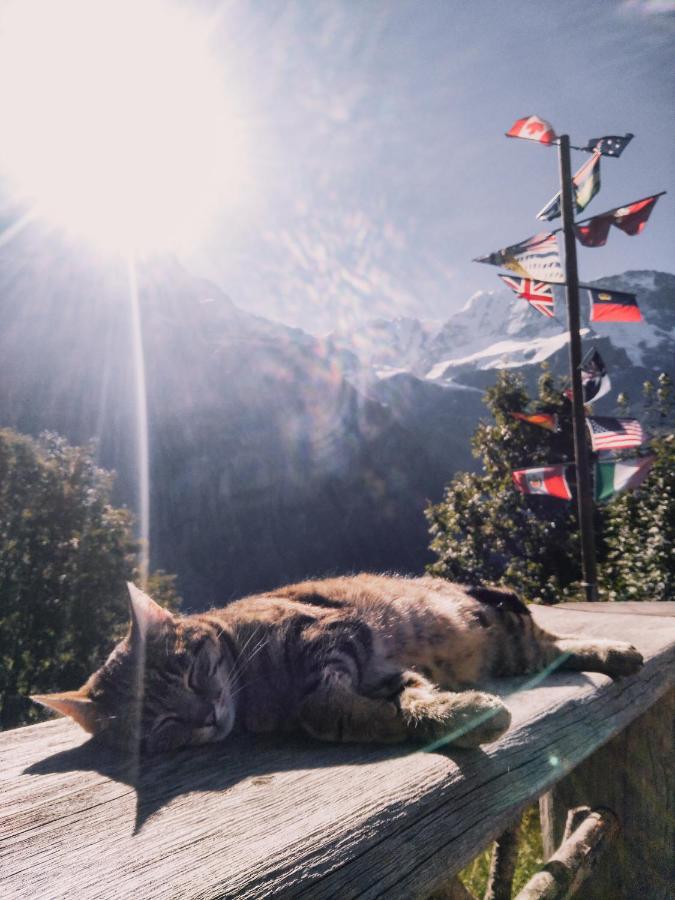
640,525
484,530
65,555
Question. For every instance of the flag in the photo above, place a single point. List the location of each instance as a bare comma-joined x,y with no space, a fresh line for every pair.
543,420
586,184
548,480
594,378
617,475
532,128
613,306
535,257
538,294
632,218
610,144
594,233
614,434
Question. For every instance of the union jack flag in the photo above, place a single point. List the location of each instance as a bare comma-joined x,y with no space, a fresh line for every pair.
614,434
538,294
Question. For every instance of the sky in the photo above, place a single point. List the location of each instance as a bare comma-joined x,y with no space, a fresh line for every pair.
379,161
372,163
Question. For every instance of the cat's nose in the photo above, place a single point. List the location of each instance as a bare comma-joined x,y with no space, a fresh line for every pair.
210,720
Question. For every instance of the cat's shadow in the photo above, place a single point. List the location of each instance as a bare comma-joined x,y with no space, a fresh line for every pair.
219,767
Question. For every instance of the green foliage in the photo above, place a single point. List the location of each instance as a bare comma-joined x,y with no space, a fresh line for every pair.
65,555
484,530
640,525
530,857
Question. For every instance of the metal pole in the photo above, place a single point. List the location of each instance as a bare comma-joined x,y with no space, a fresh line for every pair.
584,494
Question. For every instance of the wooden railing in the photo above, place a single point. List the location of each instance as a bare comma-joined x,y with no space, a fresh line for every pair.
279,817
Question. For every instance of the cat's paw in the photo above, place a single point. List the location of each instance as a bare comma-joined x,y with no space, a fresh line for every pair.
465,719
622,659
488,719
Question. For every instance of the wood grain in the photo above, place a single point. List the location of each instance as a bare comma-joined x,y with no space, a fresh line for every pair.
252,818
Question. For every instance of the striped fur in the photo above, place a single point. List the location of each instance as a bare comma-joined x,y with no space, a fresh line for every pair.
362,658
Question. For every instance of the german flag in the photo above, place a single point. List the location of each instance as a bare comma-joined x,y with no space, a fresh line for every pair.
543,420
613,306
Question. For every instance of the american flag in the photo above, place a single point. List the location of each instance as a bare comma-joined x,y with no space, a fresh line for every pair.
538,294
614,434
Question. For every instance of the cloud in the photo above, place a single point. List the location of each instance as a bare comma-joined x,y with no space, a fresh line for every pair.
648,7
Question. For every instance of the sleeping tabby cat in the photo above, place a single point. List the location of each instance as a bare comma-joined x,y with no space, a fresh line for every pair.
362,658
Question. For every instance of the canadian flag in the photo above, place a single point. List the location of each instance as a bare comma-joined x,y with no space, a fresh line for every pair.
532,128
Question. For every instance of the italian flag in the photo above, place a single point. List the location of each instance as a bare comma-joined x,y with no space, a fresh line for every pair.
620,475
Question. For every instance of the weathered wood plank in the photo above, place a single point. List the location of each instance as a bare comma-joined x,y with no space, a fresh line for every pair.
633,774
260,817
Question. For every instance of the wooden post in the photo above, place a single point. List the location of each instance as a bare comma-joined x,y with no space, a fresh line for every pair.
503,864
584,495
633,776
576,858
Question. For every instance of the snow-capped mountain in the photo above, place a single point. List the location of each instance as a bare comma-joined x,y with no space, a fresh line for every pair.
274,454
495,330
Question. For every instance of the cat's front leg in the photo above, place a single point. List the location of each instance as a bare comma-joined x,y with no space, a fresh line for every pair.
335,712
463,719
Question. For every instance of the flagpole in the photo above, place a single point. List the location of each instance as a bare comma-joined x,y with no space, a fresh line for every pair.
584,495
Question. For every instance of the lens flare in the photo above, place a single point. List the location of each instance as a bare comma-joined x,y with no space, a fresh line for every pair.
116,124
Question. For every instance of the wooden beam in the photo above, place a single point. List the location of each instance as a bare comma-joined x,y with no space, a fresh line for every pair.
285,817
633,774
575,859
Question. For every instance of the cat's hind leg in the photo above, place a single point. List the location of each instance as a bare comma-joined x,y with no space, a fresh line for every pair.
419,712
614,658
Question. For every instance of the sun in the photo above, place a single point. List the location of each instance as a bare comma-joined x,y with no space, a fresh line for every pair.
116,122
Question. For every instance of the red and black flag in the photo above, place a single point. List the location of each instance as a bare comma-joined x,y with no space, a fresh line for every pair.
549,480
532,128
631,219
613,306
610,144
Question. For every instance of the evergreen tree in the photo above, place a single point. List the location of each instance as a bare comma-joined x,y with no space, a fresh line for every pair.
484,530
639,525
65,555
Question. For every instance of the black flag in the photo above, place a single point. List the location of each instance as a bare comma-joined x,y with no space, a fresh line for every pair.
610,145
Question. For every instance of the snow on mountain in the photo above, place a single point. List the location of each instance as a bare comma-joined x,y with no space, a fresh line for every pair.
495,330
504,355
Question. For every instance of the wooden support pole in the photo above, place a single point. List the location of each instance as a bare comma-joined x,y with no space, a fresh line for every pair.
576,857
503,864
584,494
453,890
633,775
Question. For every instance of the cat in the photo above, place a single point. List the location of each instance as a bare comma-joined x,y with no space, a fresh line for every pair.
371,658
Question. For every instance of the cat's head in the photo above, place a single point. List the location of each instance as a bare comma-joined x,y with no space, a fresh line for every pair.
166,685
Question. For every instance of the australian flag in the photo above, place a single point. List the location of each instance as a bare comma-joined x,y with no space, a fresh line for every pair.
610,145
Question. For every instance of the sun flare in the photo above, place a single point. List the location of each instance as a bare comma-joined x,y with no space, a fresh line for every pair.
116,124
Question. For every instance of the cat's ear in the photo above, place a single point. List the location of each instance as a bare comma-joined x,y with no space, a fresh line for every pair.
146,615
71,703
